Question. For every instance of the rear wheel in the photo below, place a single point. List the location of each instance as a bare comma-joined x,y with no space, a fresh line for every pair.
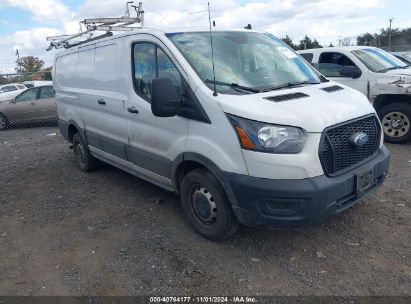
206,205
395,120
4,122
84,160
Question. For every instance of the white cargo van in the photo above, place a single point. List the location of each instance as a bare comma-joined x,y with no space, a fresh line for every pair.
269,142
383,78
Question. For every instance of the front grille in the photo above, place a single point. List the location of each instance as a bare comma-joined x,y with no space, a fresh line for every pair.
338,154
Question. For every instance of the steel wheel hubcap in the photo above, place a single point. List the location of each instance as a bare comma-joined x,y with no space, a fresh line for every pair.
204,205
395,124
80,153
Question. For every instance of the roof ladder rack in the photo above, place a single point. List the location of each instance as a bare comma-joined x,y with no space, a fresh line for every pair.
108,25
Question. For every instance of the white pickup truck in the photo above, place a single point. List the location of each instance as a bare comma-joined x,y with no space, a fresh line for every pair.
382,77
11,90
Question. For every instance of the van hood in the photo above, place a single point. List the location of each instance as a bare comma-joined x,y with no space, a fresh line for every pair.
314,112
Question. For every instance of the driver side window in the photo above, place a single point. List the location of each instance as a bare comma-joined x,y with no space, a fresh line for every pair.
151,62
331,63
30,94
46,92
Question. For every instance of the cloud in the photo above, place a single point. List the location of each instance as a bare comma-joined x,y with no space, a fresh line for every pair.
42,10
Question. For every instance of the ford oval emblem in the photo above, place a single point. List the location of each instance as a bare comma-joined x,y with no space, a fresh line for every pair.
359,139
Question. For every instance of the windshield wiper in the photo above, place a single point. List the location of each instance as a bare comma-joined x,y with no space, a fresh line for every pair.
289,85
233,85
392,68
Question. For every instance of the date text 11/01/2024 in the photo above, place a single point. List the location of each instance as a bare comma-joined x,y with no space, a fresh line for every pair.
239,299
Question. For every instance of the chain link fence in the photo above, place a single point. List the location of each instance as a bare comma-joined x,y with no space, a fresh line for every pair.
28,118
27,108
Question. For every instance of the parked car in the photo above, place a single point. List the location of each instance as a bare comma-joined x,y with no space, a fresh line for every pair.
37,83
9,91
384,79
270,142
33,105
11,87
403,56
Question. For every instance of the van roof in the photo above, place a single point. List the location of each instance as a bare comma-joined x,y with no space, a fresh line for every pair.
160,31
199,29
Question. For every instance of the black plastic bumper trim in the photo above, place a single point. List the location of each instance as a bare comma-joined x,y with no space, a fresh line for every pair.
260,201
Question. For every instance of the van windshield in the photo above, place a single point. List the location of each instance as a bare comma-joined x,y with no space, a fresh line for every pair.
378,60
250,61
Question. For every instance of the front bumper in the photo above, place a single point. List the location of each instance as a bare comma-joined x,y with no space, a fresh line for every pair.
259,201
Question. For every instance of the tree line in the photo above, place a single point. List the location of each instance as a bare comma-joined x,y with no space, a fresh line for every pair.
27,68
398,38
306,43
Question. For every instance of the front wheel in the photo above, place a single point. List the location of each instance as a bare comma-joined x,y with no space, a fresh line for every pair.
206,205
84,160
395,120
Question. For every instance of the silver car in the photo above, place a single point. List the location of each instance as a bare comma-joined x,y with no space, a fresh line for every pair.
35,105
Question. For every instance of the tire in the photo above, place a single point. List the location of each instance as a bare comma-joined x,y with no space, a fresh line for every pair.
4,122
83,158
396,122
206,206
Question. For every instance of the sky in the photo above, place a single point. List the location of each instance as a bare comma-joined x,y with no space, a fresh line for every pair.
25,24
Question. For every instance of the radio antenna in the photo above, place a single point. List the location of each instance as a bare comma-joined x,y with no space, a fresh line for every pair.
212,49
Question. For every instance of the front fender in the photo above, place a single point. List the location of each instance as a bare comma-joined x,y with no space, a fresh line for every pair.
396,86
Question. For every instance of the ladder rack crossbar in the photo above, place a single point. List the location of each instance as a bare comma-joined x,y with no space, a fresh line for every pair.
108,25
110,20
60,37
110,28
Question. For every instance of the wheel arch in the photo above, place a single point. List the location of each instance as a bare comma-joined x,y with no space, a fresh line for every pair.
189,161
72,128
385,99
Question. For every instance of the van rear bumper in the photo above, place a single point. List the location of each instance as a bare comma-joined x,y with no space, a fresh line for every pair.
292,203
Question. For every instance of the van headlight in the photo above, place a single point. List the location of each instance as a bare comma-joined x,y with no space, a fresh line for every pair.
263,137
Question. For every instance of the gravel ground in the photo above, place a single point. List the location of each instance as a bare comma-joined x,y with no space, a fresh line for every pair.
64,232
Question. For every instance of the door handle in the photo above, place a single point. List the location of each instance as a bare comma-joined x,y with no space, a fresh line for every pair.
132,110
33,103
101,101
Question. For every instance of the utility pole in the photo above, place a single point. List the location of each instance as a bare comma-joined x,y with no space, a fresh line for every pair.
339,40
19,62
389,34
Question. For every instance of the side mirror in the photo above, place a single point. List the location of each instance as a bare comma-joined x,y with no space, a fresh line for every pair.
350,71
164,99
13,100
